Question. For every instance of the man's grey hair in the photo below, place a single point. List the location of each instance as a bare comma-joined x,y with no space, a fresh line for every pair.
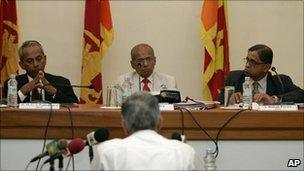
140,111
26,44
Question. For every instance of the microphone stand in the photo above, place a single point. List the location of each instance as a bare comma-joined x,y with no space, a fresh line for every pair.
91,154
280,80
60,163
52,165
74,86
1,94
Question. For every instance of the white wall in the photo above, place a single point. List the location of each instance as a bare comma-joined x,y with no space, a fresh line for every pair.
233,155
172,28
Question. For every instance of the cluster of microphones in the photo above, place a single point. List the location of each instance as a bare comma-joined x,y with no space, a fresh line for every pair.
57,149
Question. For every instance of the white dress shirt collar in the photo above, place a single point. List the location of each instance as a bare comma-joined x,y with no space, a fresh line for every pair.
151,81
262,84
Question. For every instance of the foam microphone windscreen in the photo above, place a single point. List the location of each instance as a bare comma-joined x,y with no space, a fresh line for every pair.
176,136
76,145
62,144
101,134
56,146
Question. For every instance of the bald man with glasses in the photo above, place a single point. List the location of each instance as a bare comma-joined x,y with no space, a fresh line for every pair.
267,88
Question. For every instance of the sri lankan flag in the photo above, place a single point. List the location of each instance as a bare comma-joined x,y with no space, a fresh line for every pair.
97,37
215,40
8,39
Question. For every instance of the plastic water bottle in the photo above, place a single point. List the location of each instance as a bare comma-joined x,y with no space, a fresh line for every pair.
127,89
12,98
247,93
209,160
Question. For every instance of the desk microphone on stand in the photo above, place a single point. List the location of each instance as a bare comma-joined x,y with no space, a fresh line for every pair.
280,80
73,86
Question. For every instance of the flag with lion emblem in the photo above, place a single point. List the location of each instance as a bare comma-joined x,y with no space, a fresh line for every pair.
214,35
97,37
9,39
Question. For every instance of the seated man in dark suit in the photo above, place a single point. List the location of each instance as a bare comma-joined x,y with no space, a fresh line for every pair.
267,88
36,84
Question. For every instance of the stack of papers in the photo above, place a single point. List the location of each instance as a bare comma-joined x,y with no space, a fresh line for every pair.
3,105
198,105
111,107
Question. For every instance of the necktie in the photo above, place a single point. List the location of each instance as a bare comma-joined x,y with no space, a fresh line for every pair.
35,95
146,87
255,87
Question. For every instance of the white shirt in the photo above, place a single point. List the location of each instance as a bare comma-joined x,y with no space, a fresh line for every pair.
158,81
143,150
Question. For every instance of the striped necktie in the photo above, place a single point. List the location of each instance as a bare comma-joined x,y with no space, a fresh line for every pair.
255,87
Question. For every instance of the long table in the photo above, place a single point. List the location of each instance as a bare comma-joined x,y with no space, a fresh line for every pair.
248,125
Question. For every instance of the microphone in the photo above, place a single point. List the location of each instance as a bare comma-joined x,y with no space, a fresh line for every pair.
74,147
96,137
280,80
40,92
77,144
82,86
73,86
52,148
139,66
178,136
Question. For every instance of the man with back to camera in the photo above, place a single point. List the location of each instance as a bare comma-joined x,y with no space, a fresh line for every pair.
267,88
144,78
36,84
144,148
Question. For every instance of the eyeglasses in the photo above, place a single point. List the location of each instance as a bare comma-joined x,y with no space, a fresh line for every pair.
142,60
252,62
30,61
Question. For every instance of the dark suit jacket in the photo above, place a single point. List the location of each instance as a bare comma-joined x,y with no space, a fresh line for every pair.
64,94
289,92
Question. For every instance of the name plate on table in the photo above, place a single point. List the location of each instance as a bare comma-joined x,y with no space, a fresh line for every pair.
165,106
278,107
39,105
